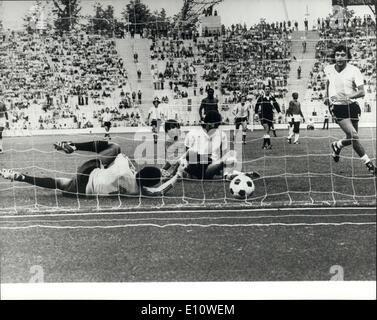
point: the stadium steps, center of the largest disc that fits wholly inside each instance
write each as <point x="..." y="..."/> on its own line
<point x="126" y="49"/>
<point x="305" y="60"/>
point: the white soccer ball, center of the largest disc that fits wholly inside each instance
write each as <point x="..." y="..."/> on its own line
<point x="242" y="187"/>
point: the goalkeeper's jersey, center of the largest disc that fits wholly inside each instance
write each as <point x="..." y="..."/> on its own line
<point x="119" y="176"/>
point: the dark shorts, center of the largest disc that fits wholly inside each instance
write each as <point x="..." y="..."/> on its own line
<point x="154" y="123"/>
<point x="238" y="122"/>
<point x="107" y="124"/>
<point x="269" y="123"/>
<point x="296" y="126"/>
<point x="199" y="167"/>
<point x="77" y="186"/>
<point x="347" y="111"/>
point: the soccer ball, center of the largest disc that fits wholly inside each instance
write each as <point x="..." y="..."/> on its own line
<point x="242" y="187"/>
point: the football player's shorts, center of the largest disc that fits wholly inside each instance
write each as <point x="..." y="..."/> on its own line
<point x="296" y="126"/>
<point x="3" y="122"/>
<point x="239" y="121"/>
<point x="155" y="124"/>
<point x="268" y="122"/>
<point x="197" y="168"/>
<point x="107" y="124"/>
<point x="78" y="184"/>
<point x="346" y="111"/>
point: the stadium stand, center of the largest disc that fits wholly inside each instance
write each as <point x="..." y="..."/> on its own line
<point x="59" y="82"/>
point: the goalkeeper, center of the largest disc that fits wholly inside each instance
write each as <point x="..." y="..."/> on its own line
<point x="111" y="172"/>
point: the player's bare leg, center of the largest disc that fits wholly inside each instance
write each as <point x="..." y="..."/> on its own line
<point x="352" y="137"/>
<point x="1" y="139"/>
<point x="244" y="131"/>
<point x="290" y="133"/>
<point x="266" y="137"/>
<point x="296" y="132"/>
<point x="155" y="135"/>
<point x="273" y="130"/>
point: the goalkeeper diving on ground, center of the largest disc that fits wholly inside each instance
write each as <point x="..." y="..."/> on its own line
<point x="109" y="173"/>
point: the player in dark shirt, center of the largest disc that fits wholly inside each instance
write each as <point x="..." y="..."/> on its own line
<point x="264" y="108"/>
<point x="208" y="104"/>
<point x="294" y="114"/>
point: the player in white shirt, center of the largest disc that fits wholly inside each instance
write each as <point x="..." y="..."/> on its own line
<point x="207" y="151"/>
<point x="3" y="122"/>
<point x="344" y="85"/>
<point x="241" y="114"/>
<point x="107" y="117"/>
<point x="111" y="172"/>
<point x="155" y="117"/>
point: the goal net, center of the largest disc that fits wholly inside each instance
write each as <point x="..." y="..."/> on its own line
<point x="57" y="88"/>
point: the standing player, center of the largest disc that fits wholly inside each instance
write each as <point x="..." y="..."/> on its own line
<point x="295" y="114"/>
<point x="345" y="84"/>
<point x="107" y="117"/>
<point x="155" y="117"/>
<point x="208" y="104"/>
<point x="241" y="114"/>
<point x="3" y="122"/>
<point x="111" y="172"/>
<point x="264" y="108"/>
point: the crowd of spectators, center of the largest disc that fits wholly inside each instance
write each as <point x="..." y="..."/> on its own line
<point x="60" y="75"/>
<point x="255" y="57"/>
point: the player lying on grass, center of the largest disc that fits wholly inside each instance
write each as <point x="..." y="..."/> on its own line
<point x="206" y="152"/>
<point x="111" y="172"/>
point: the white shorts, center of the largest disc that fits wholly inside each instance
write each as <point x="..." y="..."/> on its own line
<point x="2" y="122"/>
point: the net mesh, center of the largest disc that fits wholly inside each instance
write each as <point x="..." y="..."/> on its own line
<point x="46" y="105"/>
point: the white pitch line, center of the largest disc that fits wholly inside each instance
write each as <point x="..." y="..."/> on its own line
<point x="193" y="225"/>
<point x="192" y="218"/>
<point x="247" y="210"/>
